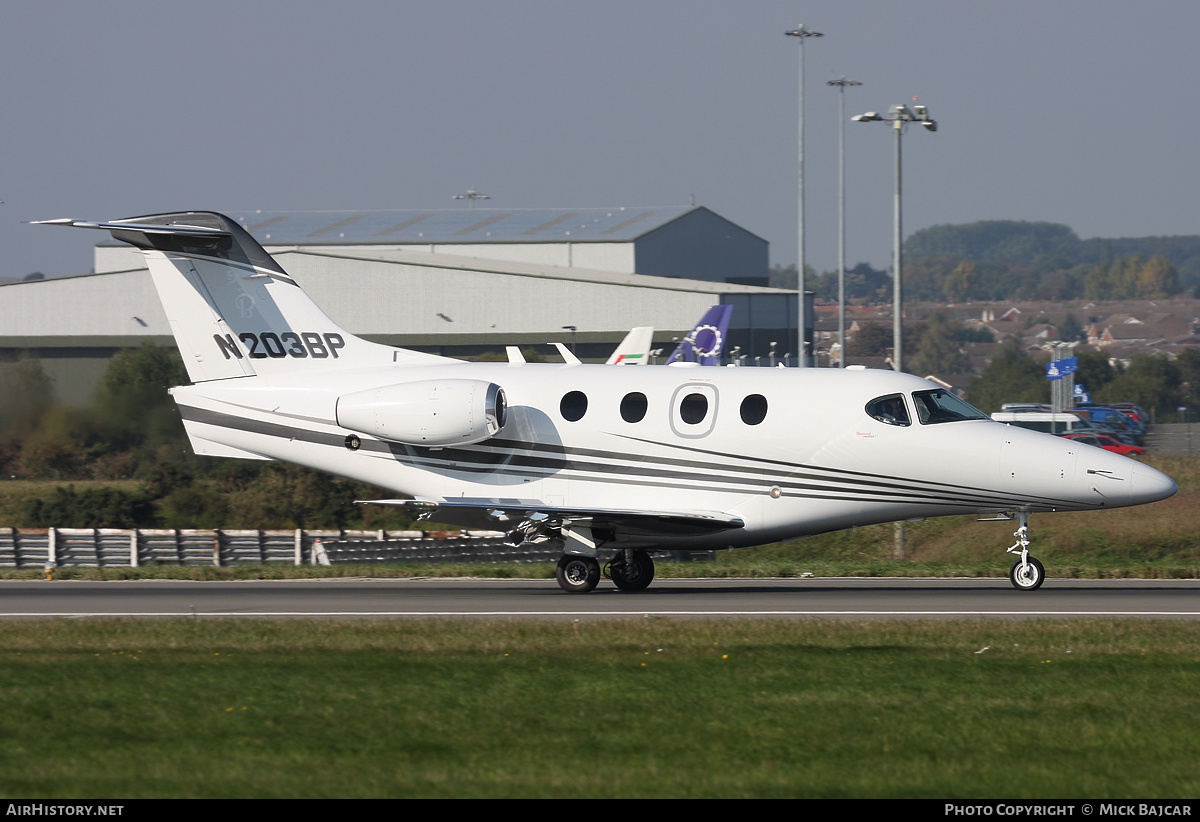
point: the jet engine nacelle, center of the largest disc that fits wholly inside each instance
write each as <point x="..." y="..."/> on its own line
<point x="432" y="413"/>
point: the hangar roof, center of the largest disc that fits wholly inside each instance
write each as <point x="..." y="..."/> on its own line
<point x="454" y="262"/>
<point x="461" y="225"/>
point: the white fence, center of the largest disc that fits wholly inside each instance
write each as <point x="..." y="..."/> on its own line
<point x="111" y="547"/>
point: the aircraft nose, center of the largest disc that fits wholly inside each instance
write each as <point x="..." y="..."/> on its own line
<point x="1150" y="485"/>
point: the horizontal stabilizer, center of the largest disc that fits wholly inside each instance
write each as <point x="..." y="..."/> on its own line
<point x="145" y="228"/>
<point x="233" y="310"/>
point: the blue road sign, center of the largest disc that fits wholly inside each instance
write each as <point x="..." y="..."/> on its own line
<point x="1057" y="369"/>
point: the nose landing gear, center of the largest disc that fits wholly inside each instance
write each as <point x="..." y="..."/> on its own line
<point x="1026" y="574"/>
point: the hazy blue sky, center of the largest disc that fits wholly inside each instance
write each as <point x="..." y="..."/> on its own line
<point x="1075" y="111"/>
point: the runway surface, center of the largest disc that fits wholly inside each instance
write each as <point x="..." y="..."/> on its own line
<point x="671" y="598"/>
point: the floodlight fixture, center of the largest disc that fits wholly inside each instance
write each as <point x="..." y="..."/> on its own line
<point x="802" y="32"/>
<point x="472" y="195"/>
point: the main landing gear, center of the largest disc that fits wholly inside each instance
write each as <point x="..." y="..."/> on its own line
<point x="630" y="570"/>
<point x="1026" y="574"/>
<point x="576" y="574"/>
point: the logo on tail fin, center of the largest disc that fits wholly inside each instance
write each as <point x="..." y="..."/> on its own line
<point x="706" y="341"/>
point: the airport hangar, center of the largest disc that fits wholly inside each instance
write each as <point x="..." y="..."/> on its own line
<point x="456" y="282"/>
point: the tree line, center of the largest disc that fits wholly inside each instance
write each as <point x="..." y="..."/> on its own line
<point x="132" y="435"/>
<point x="1012" y="260"/>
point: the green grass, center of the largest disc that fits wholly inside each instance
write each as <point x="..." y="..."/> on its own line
<point x="183" y="708"/>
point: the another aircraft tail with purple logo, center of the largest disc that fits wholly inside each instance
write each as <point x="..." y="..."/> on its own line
<point x="706" y="341"/>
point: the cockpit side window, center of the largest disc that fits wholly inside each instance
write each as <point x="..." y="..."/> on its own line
<point x="942" y="406"/>
<point x="889" y="409"/>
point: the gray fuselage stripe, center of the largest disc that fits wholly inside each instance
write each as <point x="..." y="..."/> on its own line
<point x="515" y="464"/>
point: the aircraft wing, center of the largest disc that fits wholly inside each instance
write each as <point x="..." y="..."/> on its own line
<point x="493" y="513"/>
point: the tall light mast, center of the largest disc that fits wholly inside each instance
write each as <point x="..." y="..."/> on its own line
<point x="841" y="84"/>
<point x="801" y="33"/>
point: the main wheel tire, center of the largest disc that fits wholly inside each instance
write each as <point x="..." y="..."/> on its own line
<point x="635" y="576"/>
<point x="577" y="575"/>
<point x="1029" y="580"/>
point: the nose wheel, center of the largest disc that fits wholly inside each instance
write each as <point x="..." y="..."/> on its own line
<point x="1027" y="577"/>
<point x="1026" y="574"/>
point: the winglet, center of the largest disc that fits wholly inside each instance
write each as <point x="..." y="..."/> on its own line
<point x="568" y="357"/>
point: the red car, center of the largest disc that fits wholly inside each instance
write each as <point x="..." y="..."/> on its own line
<point x="1106" y="442"/>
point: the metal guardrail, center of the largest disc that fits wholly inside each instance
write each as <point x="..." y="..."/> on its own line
<point x="463" y="549"/>
<point x="114" y="547"/>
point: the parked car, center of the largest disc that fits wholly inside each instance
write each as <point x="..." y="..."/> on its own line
<point x="1134" y="411"/>
<point x="1119" y="434"/>
<point x="1111" y="416"/>
<point x="1043" y="421"/>
<point x="1106" y="442"/>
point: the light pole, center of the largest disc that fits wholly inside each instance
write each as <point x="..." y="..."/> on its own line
<point x="802" y="34"/>
<point x="841" y="87"/>
<point x="898" y="116"/>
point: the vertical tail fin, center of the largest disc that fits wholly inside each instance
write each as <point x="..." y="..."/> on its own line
<point x="635" y="348"/>
<point x="233" y="310"/>
<point x="704" y="343"/>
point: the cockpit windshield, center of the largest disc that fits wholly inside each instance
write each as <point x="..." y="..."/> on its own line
<point x="889" y="409"/>
<point x="942" y="406"/>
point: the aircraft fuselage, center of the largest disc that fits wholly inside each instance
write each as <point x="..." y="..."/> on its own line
<point x="624" y="438"/>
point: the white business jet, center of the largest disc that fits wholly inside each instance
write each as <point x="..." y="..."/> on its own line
<point x="608" y="463"/>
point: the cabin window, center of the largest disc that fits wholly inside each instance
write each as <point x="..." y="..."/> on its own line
<point x="633" y="407"/>
<point x="754" y="409"/>
<point x="942" y="406"/>
<point x="573" y="406"/>
<point x="693" y="409"/>
<point x="890" y="409"/>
